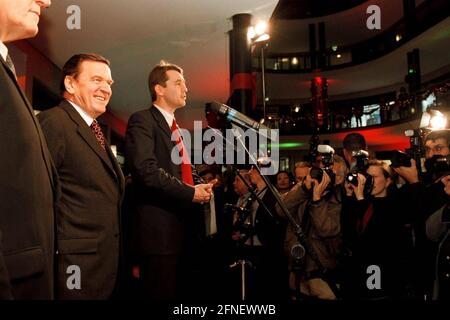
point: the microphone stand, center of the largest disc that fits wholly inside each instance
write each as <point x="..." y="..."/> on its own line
<point x="301" y="237"/>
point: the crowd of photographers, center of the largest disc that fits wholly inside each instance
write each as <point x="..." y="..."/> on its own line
<point x="361" y="229"/>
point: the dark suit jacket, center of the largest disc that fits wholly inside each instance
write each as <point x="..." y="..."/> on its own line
<point x="27" y="179"/>
<point x="163" y="202"/>
<point x="87" y="213"/>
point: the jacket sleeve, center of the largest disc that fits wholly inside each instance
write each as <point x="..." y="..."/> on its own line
<point x="143" y="163"/>
<point x="326" y="216"/>
<point x="292" y="200"/>
<point x="54" y="135"/>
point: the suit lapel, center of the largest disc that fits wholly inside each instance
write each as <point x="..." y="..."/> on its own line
<point x="44" y="150"/>
<point x="162" y="123"/>
<point x="88" y="136"/>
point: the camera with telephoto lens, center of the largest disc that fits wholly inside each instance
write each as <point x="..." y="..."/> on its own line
<point x="400" y="159"/>
<point x="438" y="166"/>
<point x="326" y="153"/>
<point x="362" y="163"/>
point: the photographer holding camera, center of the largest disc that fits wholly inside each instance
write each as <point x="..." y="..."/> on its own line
<point x="438" y="230"/>
<point x="374" y="238"/>
<point x="422" y="199"/>
<point x="315" y="203"/>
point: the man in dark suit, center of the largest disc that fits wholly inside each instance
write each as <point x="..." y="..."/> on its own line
<point x="92" y="183"/>
<point x="164" y="190"/>
<point x="27" y="176"/>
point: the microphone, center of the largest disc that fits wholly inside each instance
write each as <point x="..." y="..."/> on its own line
<point x="238" y="118"/>
<point x="297" y="252"/>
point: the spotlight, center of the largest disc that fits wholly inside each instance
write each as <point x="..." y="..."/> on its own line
<point x="338" y="56"/>
<point x="294" y="61"/>
<point x="261" y="28"/>
<point x="398" y="37"/>
<point x="433" y="119"/>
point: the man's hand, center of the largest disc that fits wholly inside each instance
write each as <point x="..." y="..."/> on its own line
<point x="410" y="174"/>
<point x="446" y="181"/>
<point x="319" y="188"/>
<point x="359" y="189"/>
<point x="202" y="193"/>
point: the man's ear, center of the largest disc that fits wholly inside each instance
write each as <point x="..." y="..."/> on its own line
<point x="159" y="89"/>
<point x="69" y="84"/>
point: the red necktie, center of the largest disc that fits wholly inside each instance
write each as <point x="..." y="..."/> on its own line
<point x="186" y="169"/>
<point x="98" y="133"/>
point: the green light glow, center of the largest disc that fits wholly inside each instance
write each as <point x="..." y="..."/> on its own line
<point x="290" y="145"/>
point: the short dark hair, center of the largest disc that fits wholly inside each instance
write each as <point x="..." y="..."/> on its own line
<point x="354" y="141"/>
<point x="158" y="75"/>
<point x="72" y="66"/>
<point x="438" y="134"/>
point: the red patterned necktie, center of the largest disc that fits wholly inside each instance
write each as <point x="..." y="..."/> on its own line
<point x="98" y="133"/>
<point x="186" y="169"/>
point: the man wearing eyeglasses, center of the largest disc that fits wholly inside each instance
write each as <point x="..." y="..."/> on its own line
<point x="437" y="143"/>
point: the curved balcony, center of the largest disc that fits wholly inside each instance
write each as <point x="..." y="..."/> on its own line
<point x="426" y="15"/>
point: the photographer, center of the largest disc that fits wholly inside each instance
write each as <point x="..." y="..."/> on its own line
<point x="316" y="205"/>
<point x="373" y="236"/>
<point x="438" y="230"/>
<point x="353" y="142"/>
<point x="423" y="198"/>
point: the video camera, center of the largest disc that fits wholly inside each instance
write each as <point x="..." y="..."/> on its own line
<point x="326" y="153"/>
<point x="362" y="163"/>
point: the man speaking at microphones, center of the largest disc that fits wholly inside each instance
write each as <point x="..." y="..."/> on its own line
<point x="165" y="192"/>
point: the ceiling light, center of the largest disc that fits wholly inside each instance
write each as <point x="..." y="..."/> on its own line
<point x="294" y="61"/>
<point x="261" y="28"/>
<point x="398" y="37"/>
<point x="297" y="109"/>
<point x="338" y="56"/>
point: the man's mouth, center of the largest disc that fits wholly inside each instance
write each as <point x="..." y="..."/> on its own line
<point x="100" y="98"/>
<point x="36" y="13"/>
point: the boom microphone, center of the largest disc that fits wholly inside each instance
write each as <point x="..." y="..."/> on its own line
<point x="237" y="118"/>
